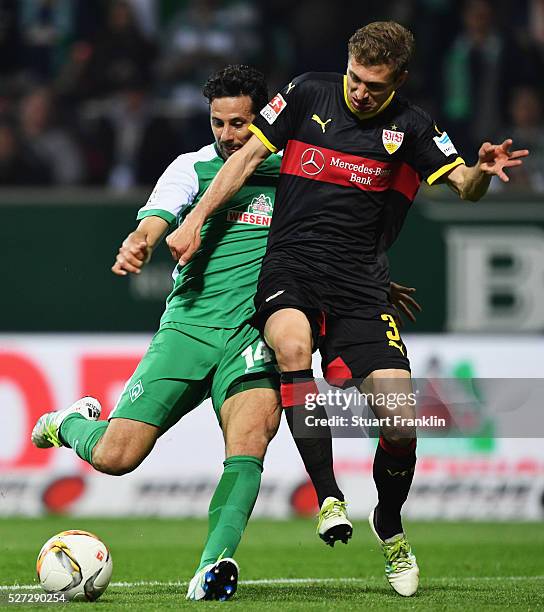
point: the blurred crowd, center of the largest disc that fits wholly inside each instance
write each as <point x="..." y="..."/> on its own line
<point x="108" y="92"/>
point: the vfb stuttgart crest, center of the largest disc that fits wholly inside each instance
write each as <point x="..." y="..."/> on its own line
<point x="392" y="140"/>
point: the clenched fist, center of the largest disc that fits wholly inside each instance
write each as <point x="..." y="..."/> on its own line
<point x="132" y="255"/>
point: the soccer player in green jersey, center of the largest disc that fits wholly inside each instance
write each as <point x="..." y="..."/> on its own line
<point x="205" y="346"/>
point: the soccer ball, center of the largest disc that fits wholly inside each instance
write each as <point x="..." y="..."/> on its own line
<point x="76" y="564"/>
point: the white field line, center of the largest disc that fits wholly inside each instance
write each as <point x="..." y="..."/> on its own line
<point x="287" y="581"/>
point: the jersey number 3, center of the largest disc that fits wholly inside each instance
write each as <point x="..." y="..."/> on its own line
<point x="393" y="336"/>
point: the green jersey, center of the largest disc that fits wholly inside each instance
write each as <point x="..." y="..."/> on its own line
<point x="216" y="288"/>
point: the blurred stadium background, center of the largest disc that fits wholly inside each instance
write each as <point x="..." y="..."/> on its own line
<point x="97" y="97"/>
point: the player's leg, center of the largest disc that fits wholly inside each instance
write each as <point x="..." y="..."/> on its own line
<point x="249" y="420"/>
<point x="370" y="348"/>
<point x="393" y="471"/>
<point x="246" y="400"/>
<point x="289" y="333"/>
<point x="124" y="445"/>
<point x="152" y="401"/>
<point x="116" y="447"/>
<point x="395" y="458"/>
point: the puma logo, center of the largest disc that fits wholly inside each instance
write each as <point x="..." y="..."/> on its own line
<point x="323" y="124"/>
<point x="275" y="295"/>
<point x="289" y="87"/>
<point x="396" y="345"/>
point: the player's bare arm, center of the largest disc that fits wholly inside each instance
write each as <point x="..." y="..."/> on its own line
<point x="185" y="240"/>
<point x="137" y="247"/>
<point x="472" y="182"/>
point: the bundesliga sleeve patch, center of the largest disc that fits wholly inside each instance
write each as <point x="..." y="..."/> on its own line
<point x="444" y="143"/>
<point x="271" y="111"/>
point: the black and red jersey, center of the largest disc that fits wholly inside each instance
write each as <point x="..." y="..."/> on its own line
<point x="347" y="180"/>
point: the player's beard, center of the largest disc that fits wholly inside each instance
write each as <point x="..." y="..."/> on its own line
<point x="227" y="150"/>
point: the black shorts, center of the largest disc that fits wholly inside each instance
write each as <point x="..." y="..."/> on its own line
<point x="351" y="345"/>
<point x="283" y="293"/>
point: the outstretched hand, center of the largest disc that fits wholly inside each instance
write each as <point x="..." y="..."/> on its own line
<point x="493" y="159"/>
<point x="184" y="242"/>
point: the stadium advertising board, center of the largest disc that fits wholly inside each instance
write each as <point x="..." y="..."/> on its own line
<point x="481" y="476"/>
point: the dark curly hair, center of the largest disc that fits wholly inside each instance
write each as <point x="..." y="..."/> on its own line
<point x="237" y="80"/>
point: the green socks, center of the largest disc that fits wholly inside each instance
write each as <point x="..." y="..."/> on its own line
<point x="231" y="506"/>
<point x="232" y="502"/>
<point x="81" y="435"/>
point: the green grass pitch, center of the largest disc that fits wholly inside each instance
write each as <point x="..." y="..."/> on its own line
<point x="284" y="565"/>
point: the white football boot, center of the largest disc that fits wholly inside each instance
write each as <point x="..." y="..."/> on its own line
<point x="46" y="431"/>
<point x="333" y="523"/>
<point x="216" y="581"/>
<point x="401" y="568"/>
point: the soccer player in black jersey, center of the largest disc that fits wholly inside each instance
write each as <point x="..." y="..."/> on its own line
<point x="355" y="152"/>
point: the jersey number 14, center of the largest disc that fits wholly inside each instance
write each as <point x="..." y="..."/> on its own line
<point x="261" y="353"/>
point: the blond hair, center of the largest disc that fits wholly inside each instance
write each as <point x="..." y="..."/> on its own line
<point x="382" y="42"/>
